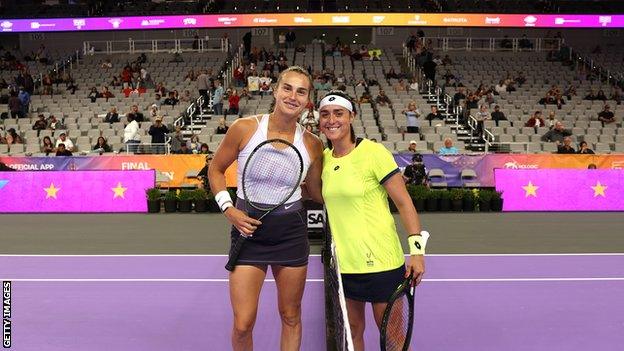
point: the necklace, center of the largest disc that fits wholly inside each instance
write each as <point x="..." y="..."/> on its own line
<point x="344" y="153"/>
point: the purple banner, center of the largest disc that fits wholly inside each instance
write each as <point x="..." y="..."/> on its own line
<point x="77" y="191"/>
<point x="452" y="166"/>
<point x="561" y="189"/>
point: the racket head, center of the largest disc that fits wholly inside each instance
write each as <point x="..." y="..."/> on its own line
<point x="272" y="173"/>
<point x="398" y="319"/>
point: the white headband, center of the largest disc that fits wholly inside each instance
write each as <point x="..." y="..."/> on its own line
<point x="336" y="100"/>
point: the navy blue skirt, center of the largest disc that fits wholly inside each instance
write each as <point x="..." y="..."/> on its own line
<point x="372" y="287"/>
<point x="282" y="239"/>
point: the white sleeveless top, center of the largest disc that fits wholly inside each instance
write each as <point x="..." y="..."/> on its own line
<point x="258" y="137"/>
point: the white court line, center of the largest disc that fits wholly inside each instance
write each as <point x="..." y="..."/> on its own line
<point x="317" y="255"/>
<point x="222" y="280"/>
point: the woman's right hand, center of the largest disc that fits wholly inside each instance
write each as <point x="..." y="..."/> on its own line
<point x="241" y="221"/>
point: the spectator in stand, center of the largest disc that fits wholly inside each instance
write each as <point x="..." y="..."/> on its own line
<point x="222" y="128"/>
<point x="490" y="99"/>
<point x="106" y="94"/>
<point x="481" y="116"/>
<point x="566" y="148"/>
<point x="584" y="149"/>
<point x="412" y="147"/>
<point x="391" y="74"/>
<point x="53" y="123"/>
<point x="126" y="77"/>
<point x="194" y="143"/>
<point x="501" y="87"/>
<point x="606" y="116"/>
<point x="46" y="82"/>
<point x="15" y="106"/>
<point x="400" y="86"/>
<point x="136" y="114"/>
<point x="204" y="149"/>
<point x="93" y="94"/>
<point x="570" y="91"/>
<point x="40" y="124"/>
<point x="498" y="115"/>
<point x="171" y="99"/>
<point x="131" y="137"/>
<point x="112" y="116"/>
<point x="472" y="101"/>
<point x="106" y="64"/>
<point x="24" y="98"/>
<point x="203" y="84"/>
<point x="190" y="76"/>
<point x="186" y="96"/>
<point x="520" y="78"/>
<point x="177" y="139"/>
<point x="61" y="150"/>
<point x="67" y="143"/>
<point x="591" y="95"/>
<point x="233" y="101"/>
<point x="601" y="95"/>
<point x="557" y="133"/>
<point x="158" y="131"/>
<point x="217" y="98"/>
<point x="411" y="116"/>
<point x="160" y="89"/>
<point x="13" y="138"/>
<point x="429" y="68"/>
<point x="551" y="120"/>
<point x="413" y="86"/>
<point x="459" y="95"/>
<point x="448" y="148"/>
<point x="365" y="98"/>
<point x="382" y="99"/>
<point x="617" y="95"/>
<point x="46" y="146"/>
<point x="184" y="149"/>
<point x="536" y="120"/>
<point x="434" y="114"/>
<point x="253" y="83"/>
<point x="101" y="146"/>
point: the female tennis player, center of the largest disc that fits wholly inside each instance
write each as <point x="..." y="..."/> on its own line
<point x="358" y="176"/>
<point x="280" y="239"/>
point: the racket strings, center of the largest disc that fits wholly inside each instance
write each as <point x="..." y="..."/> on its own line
<point x="397" y="326"/>
<point x="271" y="174"/>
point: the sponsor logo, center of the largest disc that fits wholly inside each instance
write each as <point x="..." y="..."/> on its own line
<point x="529" y="21"/>
<point x="302" y="20"/>
<point x="227" y="20"/>
<point x="417" y="21"/>
<point x="341" y="19"/>
<point x="617" y="165"/>
<point x="492" y="20"/>
<point x="563" y="21"/>
<point x="189" y="21"/>
<point x="264" y="20"/>
<point x="316" y="218"/>
<point x="378" y="19"/>
<point x="288" y="206"/>
<point x="79" y="23"/>
<point x="115" y="22"/>
<point x="152" y="22"/>
<point x="6" y="26"/>
<point x="37" y="25"/>
<point x="516" y="165"/>
<point x="455" y="20"/>
<point x="604" y="20"/>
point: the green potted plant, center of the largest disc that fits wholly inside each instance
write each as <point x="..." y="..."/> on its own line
<point x="185" y="198"/>
<point x="199" y="200"/>
<point x="497" y="201"/>
<point x="485" y="197"/>
<point x="153" y="200"/>
<point x="445" y="200"/>
<point x="457" y="199"/>
<point x="432" y="200"/>
<point x="418" y="193"/>
<point x="469" y="199"/>
<point x="171" y="201"/>
<point x="212" y="203"/>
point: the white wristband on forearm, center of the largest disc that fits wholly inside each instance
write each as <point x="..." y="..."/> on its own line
<point x="224" y="200"/>
<point x="417" y="243"/>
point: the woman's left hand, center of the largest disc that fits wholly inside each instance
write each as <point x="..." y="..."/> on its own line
<point x="416" y="265"/>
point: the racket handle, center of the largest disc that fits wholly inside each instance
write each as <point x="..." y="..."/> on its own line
<point x="235" y="251"/>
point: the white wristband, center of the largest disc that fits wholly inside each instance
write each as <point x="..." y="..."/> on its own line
<point x="224" y="200"/>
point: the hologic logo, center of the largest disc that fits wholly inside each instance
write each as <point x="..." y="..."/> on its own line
<point x="516" y="165"/>
<point x="529" y="21"/>
<point x="492" y="20"/>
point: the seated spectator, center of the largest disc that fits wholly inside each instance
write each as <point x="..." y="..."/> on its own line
<point x="391" y="74"/>
<point x="310" y="118"/>
<point x="112" y="116"/>
<point x="106" y="94"/>
<point x="551" y="120"/>
<point x="61" y="150"/>
<point x="184" y="149"/>
<point x="222" y="128"/>
<point x="365" y="98"/>
<point x="115" y="82"/>
<point x="501" y="87"/>
<point x="266" y="89"/>
<point x="40" y="124"/>
<point x="53" y="123"/>
<point x="47" y="147"/>
<point x="107" y="64"/>
<point x="194" y="143"/>
<point x="448" y="148"/>
<point x="67" y="143"/>
<point x="186" y="96"/>
<point x="490" y="99"/>
<point x="557" y="133"/>
<point x="591" y="95"/>
<point x="498" y="115"/>
<point x="570" y="91"/>
<point x="136" y="114"/>
<point x="566" y="148"/>
<point x="520" y="78"/>
<point x="617" y="95"/>
<point x="101" y="146"/>
<point x="434" y="114"/>
<point x="412" y="147"/>
<point x="413" y="86"/>
<point x="606" y="116"/>
<point x="153" y="110"/>
<point x="93" y="94"/>
<point x="171" y="99"/>
<point x="204" y="149"/>
<point x="246" y="95"/>
<point x="584" y="149"/>
<point x="400" y="86"/>
<point x="160" y="89"/>
<point x="536" y="120"/>
<point x="253" y="83"/>
<point x="601" y="95"/>
<point x="233" y="101"/>
<point x="382" y="99"/>
<point x="12" y="137"/>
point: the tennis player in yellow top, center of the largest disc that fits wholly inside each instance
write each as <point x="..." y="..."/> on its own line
<point x="358" y="176"/>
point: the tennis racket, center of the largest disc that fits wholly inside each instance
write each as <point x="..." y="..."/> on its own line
<point x="271" y="175"/>
<point x="398" y="318"/>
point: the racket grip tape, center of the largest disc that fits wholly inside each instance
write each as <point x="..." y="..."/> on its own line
<point x="231" y="263"/>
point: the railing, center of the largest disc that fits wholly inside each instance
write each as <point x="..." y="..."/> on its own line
<point x="132" y="46"/>
<point x="147" y="148"/>
<point x="492" y="44"/>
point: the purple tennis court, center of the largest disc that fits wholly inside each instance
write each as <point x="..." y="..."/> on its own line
<point x="181" y="302"/>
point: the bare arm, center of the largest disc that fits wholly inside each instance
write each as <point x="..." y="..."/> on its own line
<point x="313" y="178"/>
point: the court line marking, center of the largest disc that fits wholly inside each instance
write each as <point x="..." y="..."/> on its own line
<point x="221" y="280"/>
<point x="318" y="255"/>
